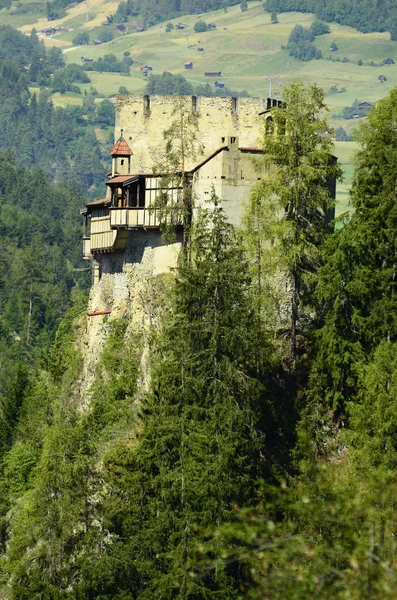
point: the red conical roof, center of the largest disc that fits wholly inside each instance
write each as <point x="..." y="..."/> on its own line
<point x="121" y="148"/>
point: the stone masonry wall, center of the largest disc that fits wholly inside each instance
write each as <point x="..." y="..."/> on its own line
<point x="144" y="119"/>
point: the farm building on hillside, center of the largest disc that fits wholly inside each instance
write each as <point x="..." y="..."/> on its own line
<point x="388" y="61"/>
<point x="188" y="65"/>
<point x="219" y="84"/>
<point x="212" y="73"/>
<point x="382" y="78"/>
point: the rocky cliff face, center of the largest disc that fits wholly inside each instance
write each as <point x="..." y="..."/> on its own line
<point x="129" y="285"/>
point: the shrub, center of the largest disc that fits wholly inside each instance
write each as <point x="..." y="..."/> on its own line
<point x="81" y="39"/>
<point x="200" y="26"/>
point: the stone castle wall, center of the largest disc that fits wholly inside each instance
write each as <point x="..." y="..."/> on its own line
<point x="144" y="119"/>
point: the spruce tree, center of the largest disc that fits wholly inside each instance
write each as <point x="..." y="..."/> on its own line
<point x="198" y="455"/>
<point x="357" y="285"/>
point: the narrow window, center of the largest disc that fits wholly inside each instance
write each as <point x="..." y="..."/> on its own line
<point x="223" y="140"/>
<point x="194" y="103"/>
<point x="146" y="103"/>
<point x="232" y="140"/>
<point x="122" y="162"/>
<point x="234" y="104"/>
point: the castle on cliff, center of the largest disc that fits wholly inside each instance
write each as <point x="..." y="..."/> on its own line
<point x="121" y="226"/>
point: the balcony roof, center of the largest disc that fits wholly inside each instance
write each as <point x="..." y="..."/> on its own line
<point x="122" y="179"/>
<point x="98" y="202"/>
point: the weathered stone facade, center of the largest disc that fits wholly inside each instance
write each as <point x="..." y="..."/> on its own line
<point x="143" y="120"/>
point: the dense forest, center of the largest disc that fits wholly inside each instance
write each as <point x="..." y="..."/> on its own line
<point x="258" y="459"/>
<point x="364" y="15"/>
<point x="150" y="11"/>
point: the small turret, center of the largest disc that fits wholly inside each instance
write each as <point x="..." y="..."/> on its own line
<point x="121" y="157"/>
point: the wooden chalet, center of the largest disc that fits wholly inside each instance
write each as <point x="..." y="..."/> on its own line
<point x="219" y="84"/>
<point x="188" y="65"/>
<point x="212" y="73"/>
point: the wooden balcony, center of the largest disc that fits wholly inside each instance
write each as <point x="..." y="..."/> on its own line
<point x="134" y="218"/>
<point x="102" y="237"/>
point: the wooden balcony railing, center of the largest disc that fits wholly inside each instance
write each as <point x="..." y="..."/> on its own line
<point x="132" y="218"/>
<point x="102" y="236"/>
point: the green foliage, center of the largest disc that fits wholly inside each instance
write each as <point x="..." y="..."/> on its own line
<point x="105" y="35"/>
<point x="300" y="44"/>
<point x="105" y="114"/>
<point x="356" y="285"/>
<point x="81" y="39"/>
<point x="290" y="207"/>
<point x="243" y="6"/>
<point x="198" y="451"/>
<point x="109" y="64"/>
<point x="168" y="84"/>
<point x="354" y="111"/>
<point x="60" y="542"/>
<point x="365" y="16"/>
<point x="169" y="27"/>
<point x="200" y="26"/>
<point x="319" y="27"/>
<point x="342" y="136"/>
<point x="328" y="543"/>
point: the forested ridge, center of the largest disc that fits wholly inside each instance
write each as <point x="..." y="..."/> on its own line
<point x="258" y="458"/>
<point x="364" y="15"/>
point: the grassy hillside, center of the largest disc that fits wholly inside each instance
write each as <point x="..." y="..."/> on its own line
<point x="246" y="47"/>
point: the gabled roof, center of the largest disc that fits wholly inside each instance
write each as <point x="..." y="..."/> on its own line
<point x="121" y="148"/>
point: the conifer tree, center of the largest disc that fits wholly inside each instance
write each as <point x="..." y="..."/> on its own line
<point x="287" y="218"/>
<point x="357" y="285"/>
<point x="198" y="455"/>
